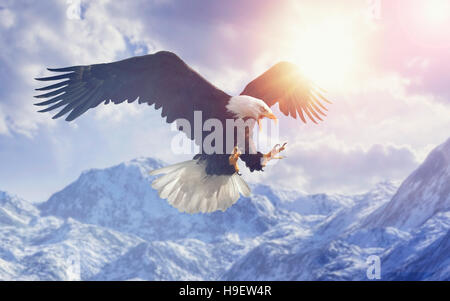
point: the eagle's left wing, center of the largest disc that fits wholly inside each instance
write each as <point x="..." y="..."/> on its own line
<point x="283" y="83"/>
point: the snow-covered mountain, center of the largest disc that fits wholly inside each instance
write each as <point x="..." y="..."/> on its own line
<point x="110" y="225"/>
<point x="422" y="195"/>
<point x="122" y="199"/>
<point x="326" y="253"/>
<point x="410" y="233"/>
<point x="52" y="248"/>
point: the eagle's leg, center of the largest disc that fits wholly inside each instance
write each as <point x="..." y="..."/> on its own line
<point x="273" y="154"/>
<point x="233" y="159"/>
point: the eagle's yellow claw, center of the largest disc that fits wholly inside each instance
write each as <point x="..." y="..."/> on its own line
<point x="234" y="157"/>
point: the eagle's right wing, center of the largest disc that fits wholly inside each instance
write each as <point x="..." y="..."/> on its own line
<point x="162" y="79"/>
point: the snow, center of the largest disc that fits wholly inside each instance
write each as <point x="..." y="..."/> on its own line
<point x="424" y="193"/>
<point x="110" y="225"/>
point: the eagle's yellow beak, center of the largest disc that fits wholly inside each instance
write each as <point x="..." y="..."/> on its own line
<point x="267" y="115"/>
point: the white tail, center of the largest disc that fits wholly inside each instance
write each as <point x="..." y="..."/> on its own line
<point x="187" y="187"/>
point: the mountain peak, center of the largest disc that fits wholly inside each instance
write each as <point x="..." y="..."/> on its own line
<point x="424" y="193"/>
<point x="445" y="147"/>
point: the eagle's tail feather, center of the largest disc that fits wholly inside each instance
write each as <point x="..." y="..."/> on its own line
<point x="187" y="187"/>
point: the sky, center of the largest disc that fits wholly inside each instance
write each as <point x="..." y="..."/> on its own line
<point x="384" y="64"/>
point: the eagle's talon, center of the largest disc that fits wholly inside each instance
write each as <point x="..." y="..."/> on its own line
<point x="273" y="154"/>
<point x="233" y="159"/>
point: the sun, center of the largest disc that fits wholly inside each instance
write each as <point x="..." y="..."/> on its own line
<point x="325" y="51"/>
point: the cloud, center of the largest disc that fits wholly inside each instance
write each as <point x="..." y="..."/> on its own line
<point x="116" y="113"/>
<point x="379" y="110"/>
<point x="7" y="18"/>
<point x="334" y="167"/>
<point x="43" y="36"/>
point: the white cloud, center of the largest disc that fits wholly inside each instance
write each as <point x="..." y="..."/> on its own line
<point x="332" y="166"/>
<point x="7" y="18"/>
<point x="43" y="37"/>
<point x="116" y="113"/>
<point x="379" y="111"/>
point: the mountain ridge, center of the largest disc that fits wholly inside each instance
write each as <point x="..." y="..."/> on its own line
<point x="110" y="225"/>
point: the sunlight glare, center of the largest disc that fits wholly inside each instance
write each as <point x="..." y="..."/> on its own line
<point x="437" y="11"/>
<point x="326" y="52"/>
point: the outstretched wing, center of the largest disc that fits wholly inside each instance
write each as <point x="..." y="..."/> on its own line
<point x="162" y="79"/>
<point x="283" y="83"/>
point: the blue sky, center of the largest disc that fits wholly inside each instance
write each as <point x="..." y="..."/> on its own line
<point x="384" y="68"/>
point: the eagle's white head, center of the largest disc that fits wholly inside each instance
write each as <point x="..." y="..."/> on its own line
<point x="243" y="106"/>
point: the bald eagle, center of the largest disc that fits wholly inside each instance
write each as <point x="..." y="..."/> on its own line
<point x="211" y="180"/>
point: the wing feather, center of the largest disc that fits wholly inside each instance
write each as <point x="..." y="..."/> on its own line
<point x="53" y="93"/>
<point x="313" y="112"/>
<point x="312" y="103"/>
<point x="58" y="77"/>
<point x="309" y="114"/>
<point x="300" y="113"/>
<point x="284" y="84"/>
<point x="316" y="101"/>
<point x="51" y="87"/>
<point x="50" y="101"/>
<point x="162" y="79"/>
<point x="72" y="104"/>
